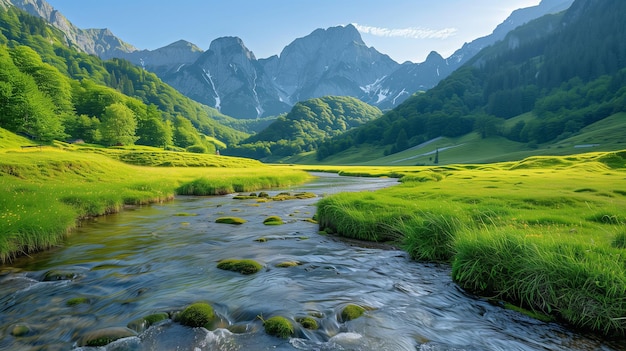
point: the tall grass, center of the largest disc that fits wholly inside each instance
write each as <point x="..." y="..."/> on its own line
<point x="44" y="193"/>
<point x="546" y="233"/>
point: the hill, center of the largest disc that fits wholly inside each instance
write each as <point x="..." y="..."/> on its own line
<point x="565" y="72"/>
<point x="51" y="91"/>
<point x="308" y="123"/>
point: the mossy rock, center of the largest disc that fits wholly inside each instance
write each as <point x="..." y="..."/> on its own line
<point x="20" y="330"/>
<point x="263" y="194"/>
<point x="231" y="220"/>
<point x="77" y="301"/>
<point x="141" y="324"/>
<point x="244" y="266"/>
<point x="308" y="322"/>
<point x="261" y="240"/>
<point x="59" y="275"/>
<point x="244" y="197"/>
<point x="278" y="326"/>
<point x="199" y="314"/>
<point x="351" y="312"/>
<point x="273" y="220"/>
<point x="288" y="264"/>
<point x="105" y="336"/>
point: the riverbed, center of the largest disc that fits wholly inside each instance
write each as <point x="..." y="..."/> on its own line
<point x="163" y="257"/>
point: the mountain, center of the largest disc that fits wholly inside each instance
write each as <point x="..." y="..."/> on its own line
<point x="551" y="77"/>
<point x="390" y="91"/>
<point x="230" y="78"/>
<point x="167" y="59"/>
<point x="333" y="61"/>
<point x="100" y="42"/>
<point x="54" y="91"/>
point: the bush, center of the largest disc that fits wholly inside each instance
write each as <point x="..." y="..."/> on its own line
<point x="197" y="149"/>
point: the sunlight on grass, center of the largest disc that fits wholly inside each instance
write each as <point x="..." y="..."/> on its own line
<point x="545" y="233"/>
<point x="44" y="192"/>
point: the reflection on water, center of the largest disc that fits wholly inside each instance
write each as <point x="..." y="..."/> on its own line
<point x="163" y="257"/>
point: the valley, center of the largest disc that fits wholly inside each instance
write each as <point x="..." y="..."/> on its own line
<point x="479" y="193"/>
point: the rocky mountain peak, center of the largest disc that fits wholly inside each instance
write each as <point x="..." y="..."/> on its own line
<point x="100" y="42"/>
<point x="230" y="46"/>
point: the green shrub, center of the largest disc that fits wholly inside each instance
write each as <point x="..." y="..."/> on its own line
<point x="197" y="149"/>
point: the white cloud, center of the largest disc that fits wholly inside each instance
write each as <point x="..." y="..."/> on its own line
<point x="411" y="32"/>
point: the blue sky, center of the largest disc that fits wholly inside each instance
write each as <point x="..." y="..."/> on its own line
<point x="403" y="29"/>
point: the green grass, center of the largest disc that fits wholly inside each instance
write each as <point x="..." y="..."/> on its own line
<point x="545" y="233"/>
<point x="604" y="135"/>
<point x="45" y="192"/>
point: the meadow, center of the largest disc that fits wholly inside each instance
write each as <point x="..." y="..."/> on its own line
<point x="546" y="234"/>
<point x="45" y="192"/>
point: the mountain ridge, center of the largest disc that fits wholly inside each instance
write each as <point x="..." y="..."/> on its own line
<point x="301" y="71"/>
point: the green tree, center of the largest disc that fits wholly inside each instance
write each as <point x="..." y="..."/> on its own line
<point x="118" y="125"/>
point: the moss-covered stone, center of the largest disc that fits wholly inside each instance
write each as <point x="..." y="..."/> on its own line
<point x="351" y="312"/>
<point x="141" y="324"/>
<point x="278" y="326"/>
<point x="20" y="330"/>
<point x="273" y="220"/>
<point x="199" y="314"/>
<point x="77" y="301"/>
<point x="308" y="322"/>
<point x="245" y="266"/>
<point x="231" y="220"/>
<point x="288" y="264"/>
<point x="59" y="275"/>
<point x="105" y="336"/>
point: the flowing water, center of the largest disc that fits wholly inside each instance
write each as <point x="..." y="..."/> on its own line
<point x="163" y="257"/>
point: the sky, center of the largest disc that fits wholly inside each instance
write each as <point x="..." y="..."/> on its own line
<point x="406" y="30"/>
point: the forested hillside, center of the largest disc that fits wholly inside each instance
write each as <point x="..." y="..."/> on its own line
<point x="49" y="91"/>
<point x="569" y="70"/>
<point x="307" y="124"/>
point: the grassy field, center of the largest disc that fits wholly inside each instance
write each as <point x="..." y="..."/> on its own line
<point x="547" y="234"/>
<point x="45" y="191"/>
<point x="604" y="135"/>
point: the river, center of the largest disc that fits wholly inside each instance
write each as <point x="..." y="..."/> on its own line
<point x="163" y="257"/>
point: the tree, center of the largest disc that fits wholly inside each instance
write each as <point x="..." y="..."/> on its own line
<point x="118" y="125"/>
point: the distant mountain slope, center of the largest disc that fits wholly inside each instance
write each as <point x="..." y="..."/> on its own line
<point x="308" y="123"/>
<point x="52" y="91"/>
<point x="99" y="42"/>
<point x="333" y="61"/>
<point x="567" y="70"/>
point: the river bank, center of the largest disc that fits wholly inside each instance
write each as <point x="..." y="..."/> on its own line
<point x="545" y="234"/>
<point x="45" y="194"/>
<point x="157" y="260"/>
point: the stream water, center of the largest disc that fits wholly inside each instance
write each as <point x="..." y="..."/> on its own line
<point x="163" y="257"/>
